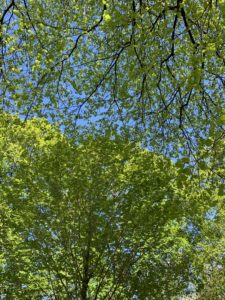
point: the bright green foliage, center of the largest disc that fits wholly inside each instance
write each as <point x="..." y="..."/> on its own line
<point x="96" y="216"/>
<point x="158" y="65"/>
<point x="99" y="219"/>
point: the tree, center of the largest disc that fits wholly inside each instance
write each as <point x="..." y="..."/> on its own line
<point x="98" y="219"/>
<point x="156" y="68"/>
<point x="111" y="74"/>
<point x="214" y="286"/>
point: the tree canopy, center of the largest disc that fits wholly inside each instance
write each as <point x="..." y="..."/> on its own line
<point x="155" y="68"/>
<point x="112" y="149"/>
<point x="100" y="219"/>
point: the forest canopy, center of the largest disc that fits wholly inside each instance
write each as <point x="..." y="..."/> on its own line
<point x="112" y="149"/>
<point x="100" y="219"/>
<point x="154" y="68"/>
